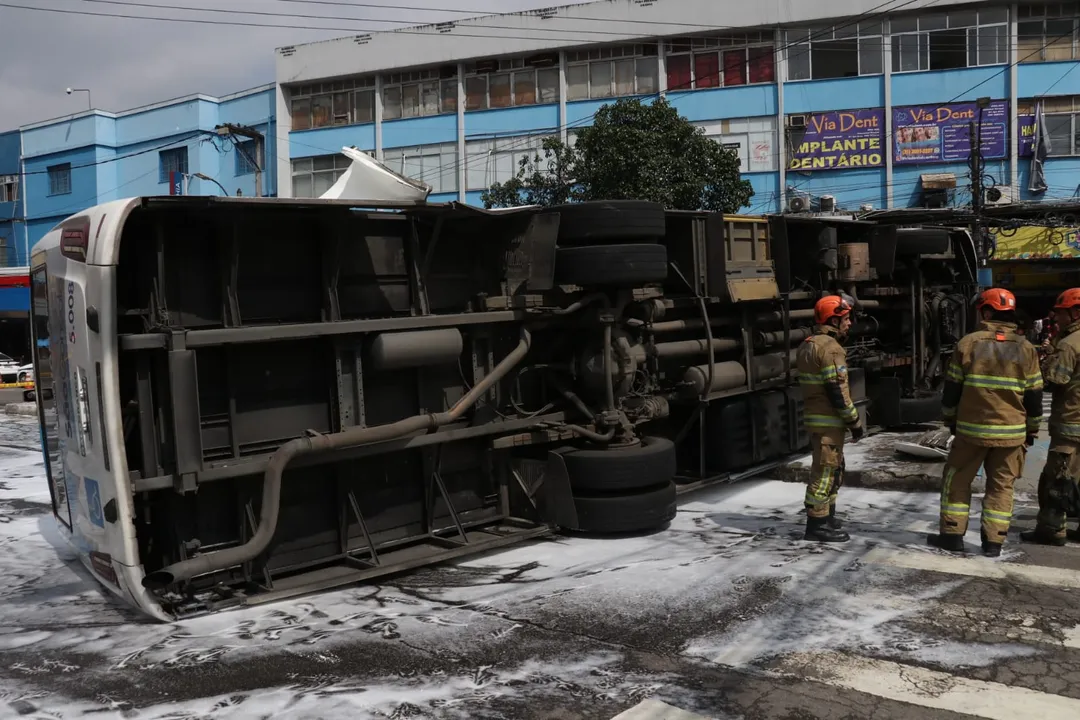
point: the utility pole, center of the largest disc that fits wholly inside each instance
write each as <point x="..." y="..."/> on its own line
<point x="976" y="164"/>
<point x="232" y="132"/>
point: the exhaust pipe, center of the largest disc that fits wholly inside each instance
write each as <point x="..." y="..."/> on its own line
<point x="353" y="437"/>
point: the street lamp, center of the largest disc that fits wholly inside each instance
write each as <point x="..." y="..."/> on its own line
<point x="89" y="104"/>
<point x="210" y="179"/>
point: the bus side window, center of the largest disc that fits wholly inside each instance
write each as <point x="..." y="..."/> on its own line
<point x="43" y="388"/>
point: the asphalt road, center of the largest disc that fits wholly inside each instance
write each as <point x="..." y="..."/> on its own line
<point x="726" y="614"/>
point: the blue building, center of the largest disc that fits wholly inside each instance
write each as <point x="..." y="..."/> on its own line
<point x="181" y="146"/>
<point x="818" y="98"/>
<point x="12" y="235"/>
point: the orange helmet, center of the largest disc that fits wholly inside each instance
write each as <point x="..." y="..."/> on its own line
<point x="1068" y="299"/>
<point x="997" y="299"/>
<point x="831" y="306"/>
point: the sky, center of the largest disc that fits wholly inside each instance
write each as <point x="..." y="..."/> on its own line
<point x="126" y="63"/>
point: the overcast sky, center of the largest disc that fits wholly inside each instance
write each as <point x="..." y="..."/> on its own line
<point x="126" y="63"/>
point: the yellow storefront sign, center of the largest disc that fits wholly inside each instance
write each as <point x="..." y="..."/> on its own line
<point x="1037" y="242"/>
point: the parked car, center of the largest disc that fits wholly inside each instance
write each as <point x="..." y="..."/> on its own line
<point x="9" y="369"/>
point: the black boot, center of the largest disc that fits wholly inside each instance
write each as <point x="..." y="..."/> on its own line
<point x="1041" y="537"/>
<point x="1073" y="535"/>
<point x="834" y="522"/>
<point x="951" y="543"/>
<point x="818" y="530"/>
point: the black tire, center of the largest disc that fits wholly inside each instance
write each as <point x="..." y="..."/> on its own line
<point x="922" y="241"/>
<point x="920" y="411"/>
<point x="610" y="220"/>
<point x="29" y="396"/>
<point x="621" y="469"/>
<point x="624" y="265"/>
<point x="647" y="510"/>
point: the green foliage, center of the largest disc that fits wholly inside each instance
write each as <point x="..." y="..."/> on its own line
<point x="634" y="150"/>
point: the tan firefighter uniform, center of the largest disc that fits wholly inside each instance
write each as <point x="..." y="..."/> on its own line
<point x="993" y="399"/>
<point x="1058" y="484"/>
<point x="822" y="364"/>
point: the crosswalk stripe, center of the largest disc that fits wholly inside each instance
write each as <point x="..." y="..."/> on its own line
<point x="928" y="688"/>
<point x="975" y="567"/>
<point x="655" y="710"/>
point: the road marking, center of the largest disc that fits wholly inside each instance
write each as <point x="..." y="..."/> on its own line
<point x="975" y="567"/>
<point x="656" y="710"/>
<point x="928" y="688"/>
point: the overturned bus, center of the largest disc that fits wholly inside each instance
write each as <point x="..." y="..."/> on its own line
<point x="247" y="399"/>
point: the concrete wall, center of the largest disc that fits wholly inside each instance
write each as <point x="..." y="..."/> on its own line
<point x="113" y="156"/>
<point x="630" y="21"/>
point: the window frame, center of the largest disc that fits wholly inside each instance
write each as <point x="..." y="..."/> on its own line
<point x="1044" y="15"/>
<point x="864" y="33"/>
<point x="351" y="90"/>
<point x="424" y="85"/>
<point x="9" y="188"/>
<point x="182" y="166"/>
<point x="398" y="158"/>
<point x="54" y="173"/>
<point x="611" y="55"/>
<point x="505" y="151"/>
<point x="514" y="70"/>
<point x="243" y="165"/>
<point x="952" y="21"/>
<point x="717" y="48"/>
<point x="339" y="164"/>
<point x="745" y="132"/>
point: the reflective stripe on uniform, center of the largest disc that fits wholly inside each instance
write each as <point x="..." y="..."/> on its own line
<point x="954" y="373"/>
<point x="817" y="492"/>
<point x="831" y="372"/>
<point x="955" y="509"/>
<point x="996" y="516"/>
<point x="994" y="382"/>
<point x="822" y="421"/>
<point x="809" y="379"/>
<point x="849" y="414"/>
<point x="1033" y="382"/>
<point x="992" y="432"/>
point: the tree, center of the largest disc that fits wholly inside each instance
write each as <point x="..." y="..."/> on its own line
<point x="634" y="150"/>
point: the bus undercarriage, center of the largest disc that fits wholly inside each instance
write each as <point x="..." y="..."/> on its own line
<point x="313" y="395"/>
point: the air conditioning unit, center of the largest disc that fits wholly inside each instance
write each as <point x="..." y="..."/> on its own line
<point x="826" y="203"/>
<point x="1000" y="195"/>
<point x="796" y="122"/>
<point x="798" y="204"/>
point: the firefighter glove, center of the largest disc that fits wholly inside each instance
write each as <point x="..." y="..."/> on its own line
<point x="857" y="433"/>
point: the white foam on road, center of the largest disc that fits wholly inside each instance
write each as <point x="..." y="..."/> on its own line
<point x="656" y="710"/>
<point x="929" y="688"/>
<point x="975" y="567"/>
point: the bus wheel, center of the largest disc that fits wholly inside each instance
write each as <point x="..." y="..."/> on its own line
<point x="29" y="396"/>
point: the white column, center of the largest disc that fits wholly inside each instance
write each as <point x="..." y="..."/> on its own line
<point x="562" y="96"/>
<point x="781" y="125"/>
<point x="283" y="155"/>
<point x="378" y="118"/>
<point x="661" y="65"/>
<point x="1014" y="99"/>
<point x="461" y="167"/>
<point x="886" y="43"/>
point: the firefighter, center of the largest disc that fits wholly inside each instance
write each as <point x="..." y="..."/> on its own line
<point x="822" y="366"/>
<point x="992" y="403"/>
<point x="1059" y="495"/>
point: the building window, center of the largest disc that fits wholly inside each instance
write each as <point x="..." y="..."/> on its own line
<point x="511" y="82"/>
<point x="837" y="52"/>
<point x="9" y="188"/>
<point x="170" y="161"/>
<point x="59" y="179"/>
<point x="311" y="177"/>
<point x="947" y="41"/>
<point x="752" y="139"/>
<point x="433" y="165"/>
<point x="720" y="61"/>
<point x="247" y="157"/>
<point x="1045" y="33"/>
<point x="1062" y="118"/>
<point x="496" y="160"/>
<point x="342" y="102"/>
<point x="612" y="72"/>
<point x="420" y="93"/>
<point x="5" y="248"/>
